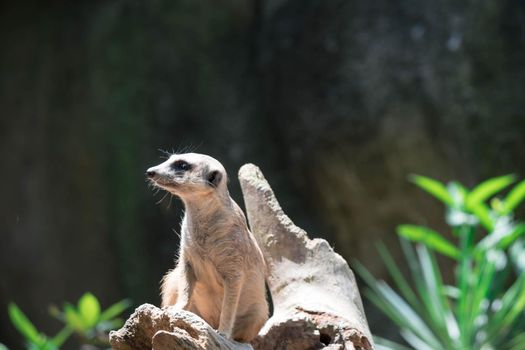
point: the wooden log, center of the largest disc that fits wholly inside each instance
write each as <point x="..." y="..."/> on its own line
<point x="315" y="297"/>
<point x="150" y="327"/>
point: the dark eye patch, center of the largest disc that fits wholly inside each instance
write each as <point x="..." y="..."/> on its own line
<point x="180" y="165"/>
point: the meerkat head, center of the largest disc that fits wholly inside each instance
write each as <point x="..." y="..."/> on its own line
<point x="189" y="175"/>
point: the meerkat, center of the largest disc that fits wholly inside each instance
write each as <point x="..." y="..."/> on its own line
<point x="220" y="272"/>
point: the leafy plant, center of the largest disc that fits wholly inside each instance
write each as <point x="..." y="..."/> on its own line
<point x="484" y="307"/>
<point x="86" y="320"/>
<point x="35" y="340"/>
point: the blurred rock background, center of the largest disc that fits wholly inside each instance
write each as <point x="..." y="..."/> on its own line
<point x="336" y="100"/>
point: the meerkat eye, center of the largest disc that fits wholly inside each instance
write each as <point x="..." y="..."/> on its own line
<point x="180" y="165"/>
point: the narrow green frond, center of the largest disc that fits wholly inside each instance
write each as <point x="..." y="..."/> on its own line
<point x="463" y="276"/>
<point x="417" y="342"/>
<point x="386" y="299"/>
<point x="501" y="238"/>
<point x="429" y="238"/>
<point x="417" y="325"/>
<point x="59" y="339"/>
<point x="115" y="310"/>
<point x="458" y="192"/>
<point x="506" y="241"/>
<point x="433" y="187"/>
<point x="480" y="294"/>
<point x="417" y="277"/>
<point x="482" y="212"/>
<point x="22" y="323"/>
<point x="517" y="254"/>
<point x="487" y="189"/>
<point x="514" y="198"/>
<point x="73" y="319"/>
<point x="516" y="343"/>
<point x="400" y="281"/>
<point x="517" y="308"/>
<point x="444" y="318"/>
<point x="386" y="344"/>
<point x="511" y="305"/>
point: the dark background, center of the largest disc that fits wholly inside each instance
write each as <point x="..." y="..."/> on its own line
<point x="336" y="101"/>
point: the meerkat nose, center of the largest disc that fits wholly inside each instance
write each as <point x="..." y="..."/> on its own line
<point x="151" y="173"/>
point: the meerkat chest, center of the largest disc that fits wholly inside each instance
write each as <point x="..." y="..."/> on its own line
<point x="204" y="268"/>
<point x="210" y="247"/>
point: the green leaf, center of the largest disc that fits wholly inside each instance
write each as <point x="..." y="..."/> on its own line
<point x="487" y="189"/>
<point x="89" y="309"/>
<point x="458" y="192"/>
<point x="484" y="277"/>
<point x="386" y="344"/>
<point x="517" y="255"/>
<point x="500" y="239"/>
<point x="24" y="326"/>
<point x="47" y="346"/>
<point x="451" y="291"/>
<point x="62" y="336"/>
<point x="73" y="319"/>
<point x="411" y="319"/>
<point x="3" y="347"/>
<point x="463" y="274"/>
<point x="456" y="217"/>
<point x="517" y="307"/>
<point x="417" y="342"/>
<point x="115" y="309"/>
<point x="512" y="305"/>
<point x="417" y="277"/>
<point x="429" y="238"/>
<point x="55" y="312"/>
<point x="109" y="325"/>
<point x="514" y="198"/>
<point x="482" y="212"/>
<point x="443" y="317"/>
<point x="517" y="342"/>
<point x="434" y="187"/>
<point x="506" y="241"/>
<point x="386" y="299"/>
<point x="44" y="346"/>
<point x="399" y="279"/>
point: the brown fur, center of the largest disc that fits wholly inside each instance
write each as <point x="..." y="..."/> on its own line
<point x="220" y="272"/>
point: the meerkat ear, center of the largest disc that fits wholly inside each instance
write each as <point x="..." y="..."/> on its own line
<point x="214" y="178"/>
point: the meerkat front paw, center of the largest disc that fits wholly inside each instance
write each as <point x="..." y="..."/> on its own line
<point x="225" y="334"/>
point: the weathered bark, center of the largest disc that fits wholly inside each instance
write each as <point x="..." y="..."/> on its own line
<point x="315" y="297"/>
<point x="152" y="328"/>
<point x="314" y="293"/>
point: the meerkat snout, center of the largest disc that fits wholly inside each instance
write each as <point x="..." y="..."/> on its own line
<point x="151" y="173"/>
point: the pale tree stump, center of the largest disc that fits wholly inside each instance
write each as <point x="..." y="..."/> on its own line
<point x="315" y="297"/>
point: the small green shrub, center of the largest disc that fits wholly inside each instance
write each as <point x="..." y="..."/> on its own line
<point x="35" y="340"/>
<point x="86" y="320"/>
<point x="484" y="307"/>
